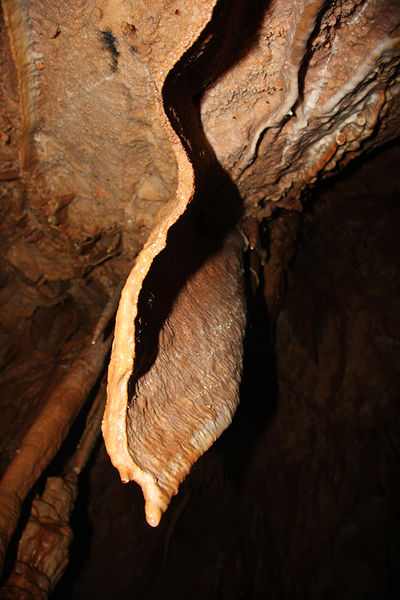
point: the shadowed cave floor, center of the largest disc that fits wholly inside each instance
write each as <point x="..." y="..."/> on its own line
<point x="300" y="498"/>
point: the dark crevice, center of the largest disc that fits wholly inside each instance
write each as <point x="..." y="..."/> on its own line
<point x="109" y="42"/>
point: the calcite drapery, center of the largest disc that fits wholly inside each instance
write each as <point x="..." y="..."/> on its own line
<point x="175" y="416"/>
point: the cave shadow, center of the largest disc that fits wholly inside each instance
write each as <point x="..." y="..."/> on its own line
<point x="258" y="389"/>
<point x="82" y="527"/>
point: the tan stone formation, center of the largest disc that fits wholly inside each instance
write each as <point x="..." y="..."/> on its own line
<point x="113" y="113"/>
<point x="321" y="80"/>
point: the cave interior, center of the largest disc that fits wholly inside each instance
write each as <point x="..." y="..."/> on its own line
<point x="300" y="496"/>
